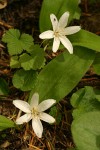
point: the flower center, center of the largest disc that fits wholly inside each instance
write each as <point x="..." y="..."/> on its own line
<point x="34" y="112"/>
<point x="58" y="32"/>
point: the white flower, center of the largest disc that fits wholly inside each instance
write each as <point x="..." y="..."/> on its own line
<point x="35" y="111"/>
<point x="59" y="32"/>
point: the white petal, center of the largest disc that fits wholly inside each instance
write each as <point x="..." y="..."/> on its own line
<point x="54" y="21"/>
<point x="44" y="105"/>
<point x="56" y="44"/>
<point x="24" y="118"/>
<point x="34" y="100"/>
<point x="64" y="20"/>
<point x="37" y="127"/>
<point x="47" y="35"/>
<point x="71" y="30"/>
<point x="65" y="41"/>
<point x="22" y="105"/>
<point x="47" y="118"/>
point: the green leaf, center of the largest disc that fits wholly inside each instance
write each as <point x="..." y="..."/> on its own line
<point x="72" y="149"/>
<point x="38" y="56"/>
<point x="11" y="34"/>
<point x="58" y="8"/>
<point x="86" y="39"/>
<point x="5" y="123"/>
<point x="86" y="131"/>
<point x="84" y="100"/>
<point x="4" y="89"/>
<point x="97" y="94"/>
<point x="33" y="61"/>
<point x="14" y="62"/>
<point x="26" y="61"/>
<point x="16" y="42"/>
<point x="77" y="14"/>
<point x="54" y="111"/>
<point x="63" y="73"/>
<point x="26" y="41"/>
<point x="96" y="64"/>
<point x="24" y="80"/>
<point x="98" y="97"/>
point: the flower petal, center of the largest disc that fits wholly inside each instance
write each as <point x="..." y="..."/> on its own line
<point x="63" y="21"/>
<point x="37" y="127"/>
<point x="34" y="100"/>
<point x="54" y="21"/>
<point x="56" y="44"/>
<point x="47" y="118"/>
<point x="71" y="30"/>
<point x="65" y="41"/>
<point x="44" y="105"/>
<point x="24" y="118"/>
<point x="22" y="105"/>
<point x="47" y="35"/>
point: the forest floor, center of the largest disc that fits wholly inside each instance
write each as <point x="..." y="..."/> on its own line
<point x="24" y="15"/>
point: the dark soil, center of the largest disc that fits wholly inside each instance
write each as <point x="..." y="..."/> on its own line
<point x="24" y="15"/>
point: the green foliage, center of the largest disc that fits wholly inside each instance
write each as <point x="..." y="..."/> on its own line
<point x="4" y="89"/>
<point x="72" y="149"/>
<point x="24" y="80"/>
<point x="86" y="131"/>
<point x="77" y="14"/>
<point x="54" y="111"/>
<point x="84" y="100"/>
<point x="5" y="123"/>
<point x="17" y="42"/>
<point x="31" y="59"/>
<point x="63" y="73"/>
<point x="34" y="60"/>
<point x="58" y="8"/>
<point x="96" y="64"/>
<point x="86" y="124"/>
<point x="86" y="39"/>
<point x="14" y="62"/>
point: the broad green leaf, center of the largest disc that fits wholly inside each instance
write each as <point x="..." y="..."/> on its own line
<point x="14" y="62"/>
<point x="84" y="100"/>
<point x="86" y="39"/>
<point x="63" y="73"/>
<point x="4" y="89"/>
<point x="86" y="131"/>
<point x="72" y="149"/>
<point x="5" y="123"/>
<point x="24" y="80"/>
<point x="26" y="41"/>
<point x="96" y="64"/>
<point x="16" y="42"/>
<point x="58" y="8"/>
<point x="33" y="61"/>
<point x="11" y="34"/>
<point x="26" y="61"/>
<point x="14" y="47"/>
<point x="38" y="55"/>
